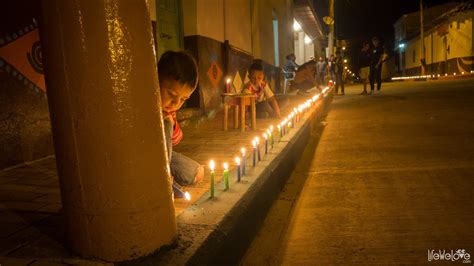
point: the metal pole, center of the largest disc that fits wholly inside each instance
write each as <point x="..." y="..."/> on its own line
<point x="422" y="37"/>
<point x="331" y="29"/>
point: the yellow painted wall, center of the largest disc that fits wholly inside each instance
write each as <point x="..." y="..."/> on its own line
<point x="262" y="29"/>
<point x="459" y="40"/>
<point x="238" y="24"/>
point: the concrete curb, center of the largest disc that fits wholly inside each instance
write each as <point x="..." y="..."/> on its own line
<point x="219" y="230"/>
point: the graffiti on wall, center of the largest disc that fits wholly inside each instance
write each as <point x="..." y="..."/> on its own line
<point x="20" y="56"/>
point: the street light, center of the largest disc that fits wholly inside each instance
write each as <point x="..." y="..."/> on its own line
<point x="296" y="25"/>
<point x="401" y="45"/>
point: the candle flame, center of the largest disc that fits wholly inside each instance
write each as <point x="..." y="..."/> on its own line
<point x="237" y="160"/>
<point x="228" y="80"/>
<point x="187" y="196"/>
<point x="242" y="150"/>
<point x="226" y="166"/>
<point x="265" y="135"/>
<point x="269" y="132"/>
<point x="254" y="144"/>
<point x="212" y="165"/>
<point x="257" y="140"/>
<point x="271" y="128"/>
<point x="278" y="126"/>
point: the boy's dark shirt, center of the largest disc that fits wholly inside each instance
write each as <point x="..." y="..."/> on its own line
<point x="332" y="66"/>
<point x="375" y="56"/>
<point x="364" y="59"/>
<point x="338" y="66"/>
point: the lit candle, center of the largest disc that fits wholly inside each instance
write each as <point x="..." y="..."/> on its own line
<point x="226" y="176"/>
<point x="270" y="136"/>
<point x="243" y="160"/>
<point x="279" y="130"/>
<point x="212" y="165"/>
<point x="257" y="140"/>
<point x="227" y="86"/>
<point x="290" y="125"/>
<point x="187" y="196"/>
<point x="180" y="193"/>
<point x="254" y="153"/>
<point x="266" y="142"/>
<point x="237" y="161"/>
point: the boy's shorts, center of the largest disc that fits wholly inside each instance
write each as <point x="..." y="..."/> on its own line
<point x="364" y="73"/>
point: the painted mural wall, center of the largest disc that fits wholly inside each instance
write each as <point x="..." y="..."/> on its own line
<point x="449" y="47"/>
<point x="25" y="130"/>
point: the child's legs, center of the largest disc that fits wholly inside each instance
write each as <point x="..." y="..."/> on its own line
<point x="264" y="109"/>
<point x="183" y="169"/>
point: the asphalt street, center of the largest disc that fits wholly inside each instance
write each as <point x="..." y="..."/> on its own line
<point x="389" y="180"/>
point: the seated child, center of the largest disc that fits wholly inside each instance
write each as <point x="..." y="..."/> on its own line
<point x="265" y="99"/>
<point x="178" y="76"/>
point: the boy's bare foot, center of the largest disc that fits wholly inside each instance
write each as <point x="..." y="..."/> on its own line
<point x="200" y="175"/>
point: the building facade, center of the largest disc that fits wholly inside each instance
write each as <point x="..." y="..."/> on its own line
<point x="225" y="36"/>
<point x="447" y="39"/>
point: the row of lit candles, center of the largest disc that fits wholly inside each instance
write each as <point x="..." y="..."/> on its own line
<point x="283" y="128"/>
<point x="426" y="76"/>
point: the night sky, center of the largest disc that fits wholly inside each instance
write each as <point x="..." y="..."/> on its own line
<point x="361" y="19"/>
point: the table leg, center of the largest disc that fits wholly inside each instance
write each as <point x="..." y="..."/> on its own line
<point x="242" y="114"/>
<point x="226" y="114"/>
<point x="254" y="113"/>
<point x="236" y="116"/>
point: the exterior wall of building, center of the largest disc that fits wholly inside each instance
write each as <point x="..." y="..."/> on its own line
<point x="25" y="129"/>
<point x="448" y="47"/>
<point x="228" y="36"/>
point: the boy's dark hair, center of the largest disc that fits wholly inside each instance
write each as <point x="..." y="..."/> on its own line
<point x="179" y="66"/>
<point x="255" y="67"/>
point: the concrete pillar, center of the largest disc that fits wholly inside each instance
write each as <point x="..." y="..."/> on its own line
<point x="301" y="48"/>
<point x="105" y="112"/>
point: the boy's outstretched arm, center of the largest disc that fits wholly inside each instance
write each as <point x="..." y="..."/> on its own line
<point x="275" y="106"/>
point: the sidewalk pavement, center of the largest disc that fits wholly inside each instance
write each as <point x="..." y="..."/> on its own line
<point x="30" y="203"/>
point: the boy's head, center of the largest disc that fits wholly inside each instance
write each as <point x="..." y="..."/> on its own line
<point x="256" y="74"/>
<point x="365" y="45"/>
<point x="178" y="75"/>
<point x="375" y="41"/>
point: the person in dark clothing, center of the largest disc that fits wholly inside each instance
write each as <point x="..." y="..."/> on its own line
<point x="364" y="65"/>
<point x="331" y="68"/>
<point x="376" y="60"/>
<point x="338" y="70"/>
<point x="290" y="66"/>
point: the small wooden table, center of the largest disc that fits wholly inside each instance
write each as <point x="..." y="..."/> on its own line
<point x="239" y="100"/>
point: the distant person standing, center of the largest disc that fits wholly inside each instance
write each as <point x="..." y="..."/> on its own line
<point x="321" y="70"/>
<point x="377" y="57"/>
<point x="339" y="71"/>
<point x="331" y="68"/>
<point x="290" y="66"/>
<point x="289" y="70"/>
<point x="364" y="65"/>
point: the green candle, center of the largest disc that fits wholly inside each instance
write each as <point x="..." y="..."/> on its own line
<point x="212" y="165"/>
<point x="226" y="176"/>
